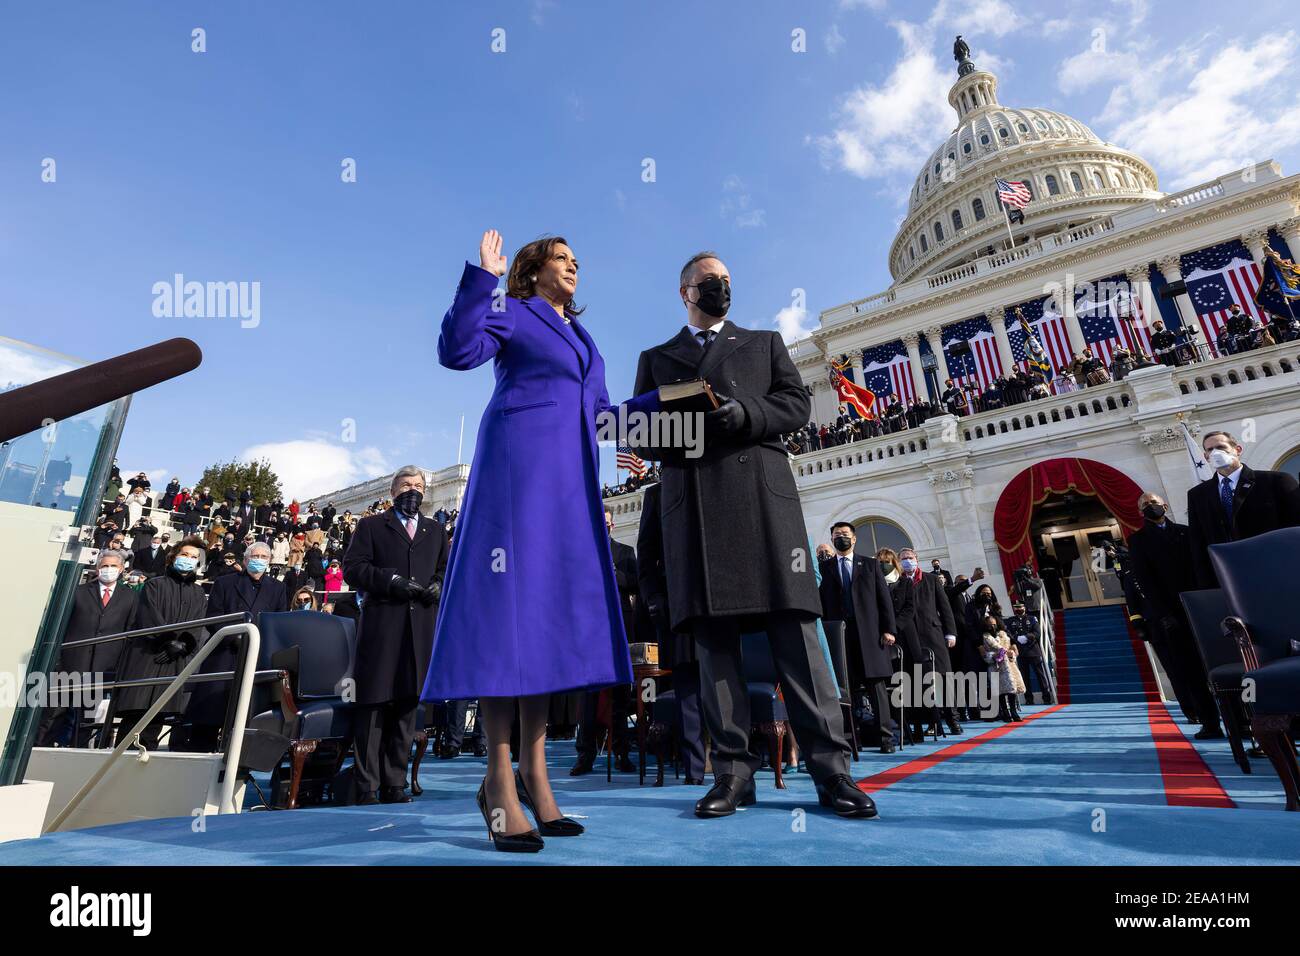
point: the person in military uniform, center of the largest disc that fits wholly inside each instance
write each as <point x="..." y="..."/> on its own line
<point x="893" y="414"/>
<point x="1023" y="629"/>
<point x="1163" y="344"/>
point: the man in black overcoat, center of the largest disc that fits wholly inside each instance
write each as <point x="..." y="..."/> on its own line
<point x="1162" y="567"/>
<point x="866" y="612"/>
<point x="937" y="631"/>
<point x="1238" y="502"/>
<point x="152" y="560"/>
<point x="101" y="606"/>
<point x="254" y="589"/>
<point x="397" y="560"/>
<point x="736" y="548"/>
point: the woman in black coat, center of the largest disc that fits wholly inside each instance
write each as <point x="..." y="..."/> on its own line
<point x="169" y="598"/>
<point x="903" y="593"/>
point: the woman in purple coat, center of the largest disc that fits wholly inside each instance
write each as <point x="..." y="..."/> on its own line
<point x="530" y="606"/>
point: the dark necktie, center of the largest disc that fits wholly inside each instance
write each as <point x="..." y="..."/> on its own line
<point x="706" y="337"/>
<point x="846" y="584"/>
<point x="1225" y="495"/>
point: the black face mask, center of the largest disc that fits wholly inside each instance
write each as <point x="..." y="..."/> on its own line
<point x="715" y="297"/>
<point x="842" y="543"/>
<point x="408" y="502"/>
<point x="886" y="567"/>
<point x="1153" y="512"/>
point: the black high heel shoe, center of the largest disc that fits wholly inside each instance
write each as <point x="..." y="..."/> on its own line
<point x="561" y="827"/>
<point x="529" y="842"/>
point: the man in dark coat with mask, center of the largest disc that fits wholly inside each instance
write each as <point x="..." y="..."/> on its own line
<point x="397" y="560"/>
<point x="735" y="545"/>
<point x="866" y="611"/>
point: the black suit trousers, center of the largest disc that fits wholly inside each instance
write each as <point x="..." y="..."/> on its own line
<point x="384" y="733"/>
<point x="807" y="685"/>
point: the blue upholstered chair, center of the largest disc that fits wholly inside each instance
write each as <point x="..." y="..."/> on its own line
<point x="316" y="653"/>
<point x="1206" y="611"/>
<point x="767" y="713"/>
<point x="1257" y="575"/>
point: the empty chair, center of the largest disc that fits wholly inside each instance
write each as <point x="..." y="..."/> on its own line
<point x="1256" y="575"/>
<point x="1206" y="611"/>
<point x="316" y="651"/>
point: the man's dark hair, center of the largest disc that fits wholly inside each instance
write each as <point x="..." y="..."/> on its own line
<point x="843" y="524"/>
<point x="690" y="264"/>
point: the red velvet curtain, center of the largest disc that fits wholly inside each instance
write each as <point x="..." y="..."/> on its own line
<point x="1015" y="508"/>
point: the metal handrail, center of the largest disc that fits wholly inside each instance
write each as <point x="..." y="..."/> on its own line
<point x="211" y="677"/>
<point x="232" y="618"/>
<point x="244" y="692"/>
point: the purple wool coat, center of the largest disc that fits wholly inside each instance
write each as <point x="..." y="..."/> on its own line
<point x="529" y="605"/>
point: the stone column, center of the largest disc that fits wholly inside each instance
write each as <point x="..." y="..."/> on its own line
<point x="1139" y="280"/>
<point x="824" y="402"/>
<point x="997" y="317"/>
<point x="1073" y="329"/>
<point x="1290" y="231"/>
<point x="934" y="336"/>
<point x="1254" y="241"/>
<point x="913" y="343"/>
<point x="1171" y="267"/>
<point x="959" y="513"/>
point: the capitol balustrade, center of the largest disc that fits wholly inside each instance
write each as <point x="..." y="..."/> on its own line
<point x="1266" y="367"/>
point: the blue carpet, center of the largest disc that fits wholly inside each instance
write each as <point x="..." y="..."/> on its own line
<point x="1100" y="661"/>
<point x="1080" y="785"/>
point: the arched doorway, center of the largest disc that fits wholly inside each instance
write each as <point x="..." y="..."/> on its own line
<point x="1058" y="516"/>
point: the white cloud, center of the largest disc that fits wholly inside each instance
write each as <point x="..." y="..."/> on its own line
<point x="312" y="466"/>
<point x="1194" y="120"/>
<point x="794" y="323"/>
<point x="1094" y="66"/>
<point x="975" y="18"/>
<point x="833" y="39"/>
<point x="894" y="126"/>
<point x="738" y="205"/>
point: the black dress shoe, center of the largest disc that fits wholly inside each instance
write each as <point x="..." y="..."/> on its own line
<point x="528" y="842"/>
<point x="887" y="748"/>
<point x="394" y="795"/>
<point x="625" y="764"/>
<point x="583" y="766"/>
<point x="727" y="793"/>
<point x="954" y="728"/>
<point x="448" y="753"/>
<point x="842" y="795"/>
<point x="367" y="799"/>
<point x="1209" y="733"/>
<point x="559" y="827"/>
<point x="694" y="781"/>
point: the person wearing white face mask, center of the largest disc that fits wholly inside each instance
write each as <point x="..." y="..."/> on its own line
<point x="254" y="591"/>
<point x="1237" y="503"/>
<point x="103" y="605"/>
<point x="936" y="629"/>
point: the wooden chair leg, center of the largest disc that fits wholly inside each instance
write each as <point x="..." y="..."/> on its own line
<point x="853" y="731"/>
<point x="421" y="745"/>
<point x="299" y="751"/>
<point x="774" y="731"/>
<point x="1273" y="732"/>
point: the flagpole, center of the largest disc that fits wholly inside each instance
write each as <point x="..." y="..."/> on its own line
<point x="461" y="442"/>
<point x="1007" y="218"/>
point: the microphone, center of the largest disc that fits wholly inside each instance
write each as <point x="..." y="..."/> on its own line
<point x="30" y="407"/>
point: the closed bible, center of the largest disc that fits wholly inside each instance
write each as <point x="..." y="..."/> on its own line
<point x="692" y="396"/>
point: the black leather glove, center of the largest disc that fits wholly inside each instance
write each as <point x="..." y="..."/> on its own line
<point x="727" y="419"/>
<point x="436" y="590"/>
<point x="424" y="595"/>
<point x="172" y="650"/>
<point x="403" y="589"/>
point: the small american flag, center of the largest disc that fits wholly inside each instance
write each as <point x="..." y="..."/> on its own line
<point x="628" y="461"/>
<point x="1014" y="194"/>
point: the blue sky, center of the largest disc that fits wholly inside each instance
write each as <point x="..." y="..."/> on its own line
<point x="225" y="166"/>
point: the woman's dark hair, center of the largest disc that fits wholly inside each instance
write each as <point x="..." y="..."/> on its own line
<point x="521" y="281"/>
<point x="192" y="541"/>
<point x="990" y="616"/>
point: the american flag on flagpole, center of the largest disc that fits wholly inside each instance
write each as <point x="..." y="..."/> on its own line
<point x="1100" y="308"/>
<point x="628" y="461"/>
<point x="887" y="369"/>
<point x="1216" y="278"/>
<point x="983" y="364"/>
<point x="1014" y="194"/>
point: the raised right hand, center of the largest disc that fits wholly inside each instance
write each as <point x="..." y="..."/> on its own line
<point x="489" y="253"/>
